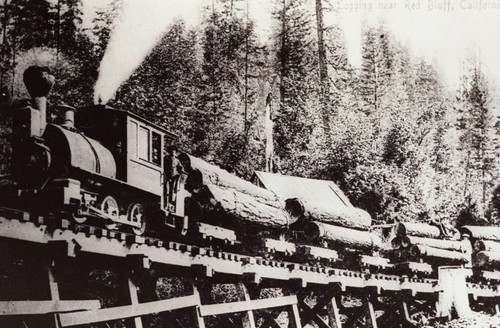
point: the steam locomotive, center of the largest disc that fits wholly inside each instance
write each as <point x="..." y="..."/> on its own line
<point x="107" y="166"/>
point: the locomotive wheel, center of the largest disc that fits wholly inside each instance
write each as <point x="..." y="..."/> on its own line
<point x="110" y="207"/>
<point x="136" y="214"/>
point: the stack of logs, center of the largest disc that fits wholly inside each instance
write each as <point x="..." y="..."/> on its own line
<point x="421" y="242"/>
<point x="215" y="190"/>
<point x="335" y="225"/>
<point x="486" y="245"/>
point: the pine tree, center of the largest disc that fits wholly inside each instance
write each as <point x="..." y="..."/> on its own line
<point x="69" y="13"/>
<point x="477" y="130"/>
<point x="297" y="60"/>
<point x="375" y="68"/>
<point x="34" y="23"/>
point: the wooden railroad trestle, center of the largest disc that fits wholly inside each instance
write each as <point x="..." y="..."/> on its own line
<point x="303" y="294"/>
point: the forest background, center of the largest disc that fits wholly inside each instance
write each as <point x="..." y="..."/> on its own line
<point x="401" y="144"/>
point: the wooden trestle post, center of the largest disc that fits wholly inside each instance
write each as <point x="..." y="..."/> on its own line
<point x="248" y="320"/>
<point x="53" y="286"/>
<point x="247" y="303"/>
<point x="371" y="320"/>
<point x="333" y="312"/>
<point x="134" y="299"/>
<point x="199" y="319"/>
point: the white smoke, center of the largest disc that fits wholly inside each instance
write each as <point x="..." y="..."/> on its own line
<point x="140" y="26"/>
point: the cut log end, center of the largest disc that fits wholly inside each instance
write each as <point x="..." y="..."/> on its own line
<point x="295" y="208"/>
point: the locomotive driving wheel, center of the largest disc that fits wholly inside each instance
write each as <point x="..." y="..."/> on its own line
<point x="136" y="213"/>
<point x="110" y="207"/>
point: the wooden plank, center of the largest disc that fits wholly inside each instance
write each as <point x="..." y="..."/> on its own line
<point x="371" y="313"/>
<point x="53" y="287"/>
<point x="134" y="300"/>
<point x="406" y="313"/>
<point x="199" y="317"/>
<point x="127" y="311"/>
<point x="226" y="308"/>
<point x="248" y="319"/>
<point x="44" y="307"/>
<point x="294" y="316"/>
<point x="333" y="313"/>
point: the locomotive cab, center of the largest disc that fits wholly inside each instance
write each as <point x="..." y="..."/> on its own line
<point x="136" y="144"/>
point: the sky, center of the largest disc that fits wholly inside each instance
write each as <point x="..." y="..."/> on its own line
<point x="441" y="31"/>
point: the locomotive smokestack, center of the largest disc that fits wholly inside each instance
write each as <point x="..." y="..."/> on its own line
<point x="39" y="82"/>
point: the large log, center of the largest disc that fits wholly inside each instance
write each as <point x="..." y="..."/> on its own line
<point x="214" y="175"/>
<point x="443" y="256"/>
<point x="487" y="259"/>
<point x="451" y="245"/>
<point x="417" y="229"/>
<point x="349" y="217"/>
<point x="232" y="195"/>
<point x="486" y="245"/>
<point x="479" y="232"/>
<point x="350" y="238"/>
<point x="246" y="207"/>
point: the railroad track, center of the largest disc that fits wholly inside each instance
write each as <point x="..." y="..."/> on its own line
<point x="204" y="267"/>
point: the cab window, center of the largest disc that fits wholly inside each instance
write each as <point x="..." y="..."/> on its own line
<point x="143" y="143"/>
<point x="156" y="148"/>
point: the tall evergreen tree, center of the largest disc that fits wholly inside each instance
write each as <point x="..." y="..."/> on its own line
<point x="376" y="68"/>
<point x="476" y="125"/>
<point x="297" y="60"/>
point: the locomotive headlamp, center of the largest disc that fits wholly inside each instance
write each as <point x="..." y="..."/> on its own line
<point x="31" y="162"/>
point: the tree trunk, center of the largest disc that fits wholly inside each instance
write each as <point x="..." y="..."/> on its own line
<point x="247" y="208"/>
<point x="214" y="175"/>
<point x="344" y="216"/>
<point x="451" y="245"/>
<point x="246" y="70"/>
<point x="233" y="196"/>
<point x="479" y="232"/>
<point x="282" y="60"/>
<point x="350" y="238"/>
<point x="268" y="133"/>
<point x="443" y="256"/>
<point x="417" y="229"/>
<point x="323" y="72"/>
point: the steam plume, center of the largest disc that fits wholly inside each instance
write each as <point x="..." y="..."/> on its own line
<point x="141" y="25"/>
